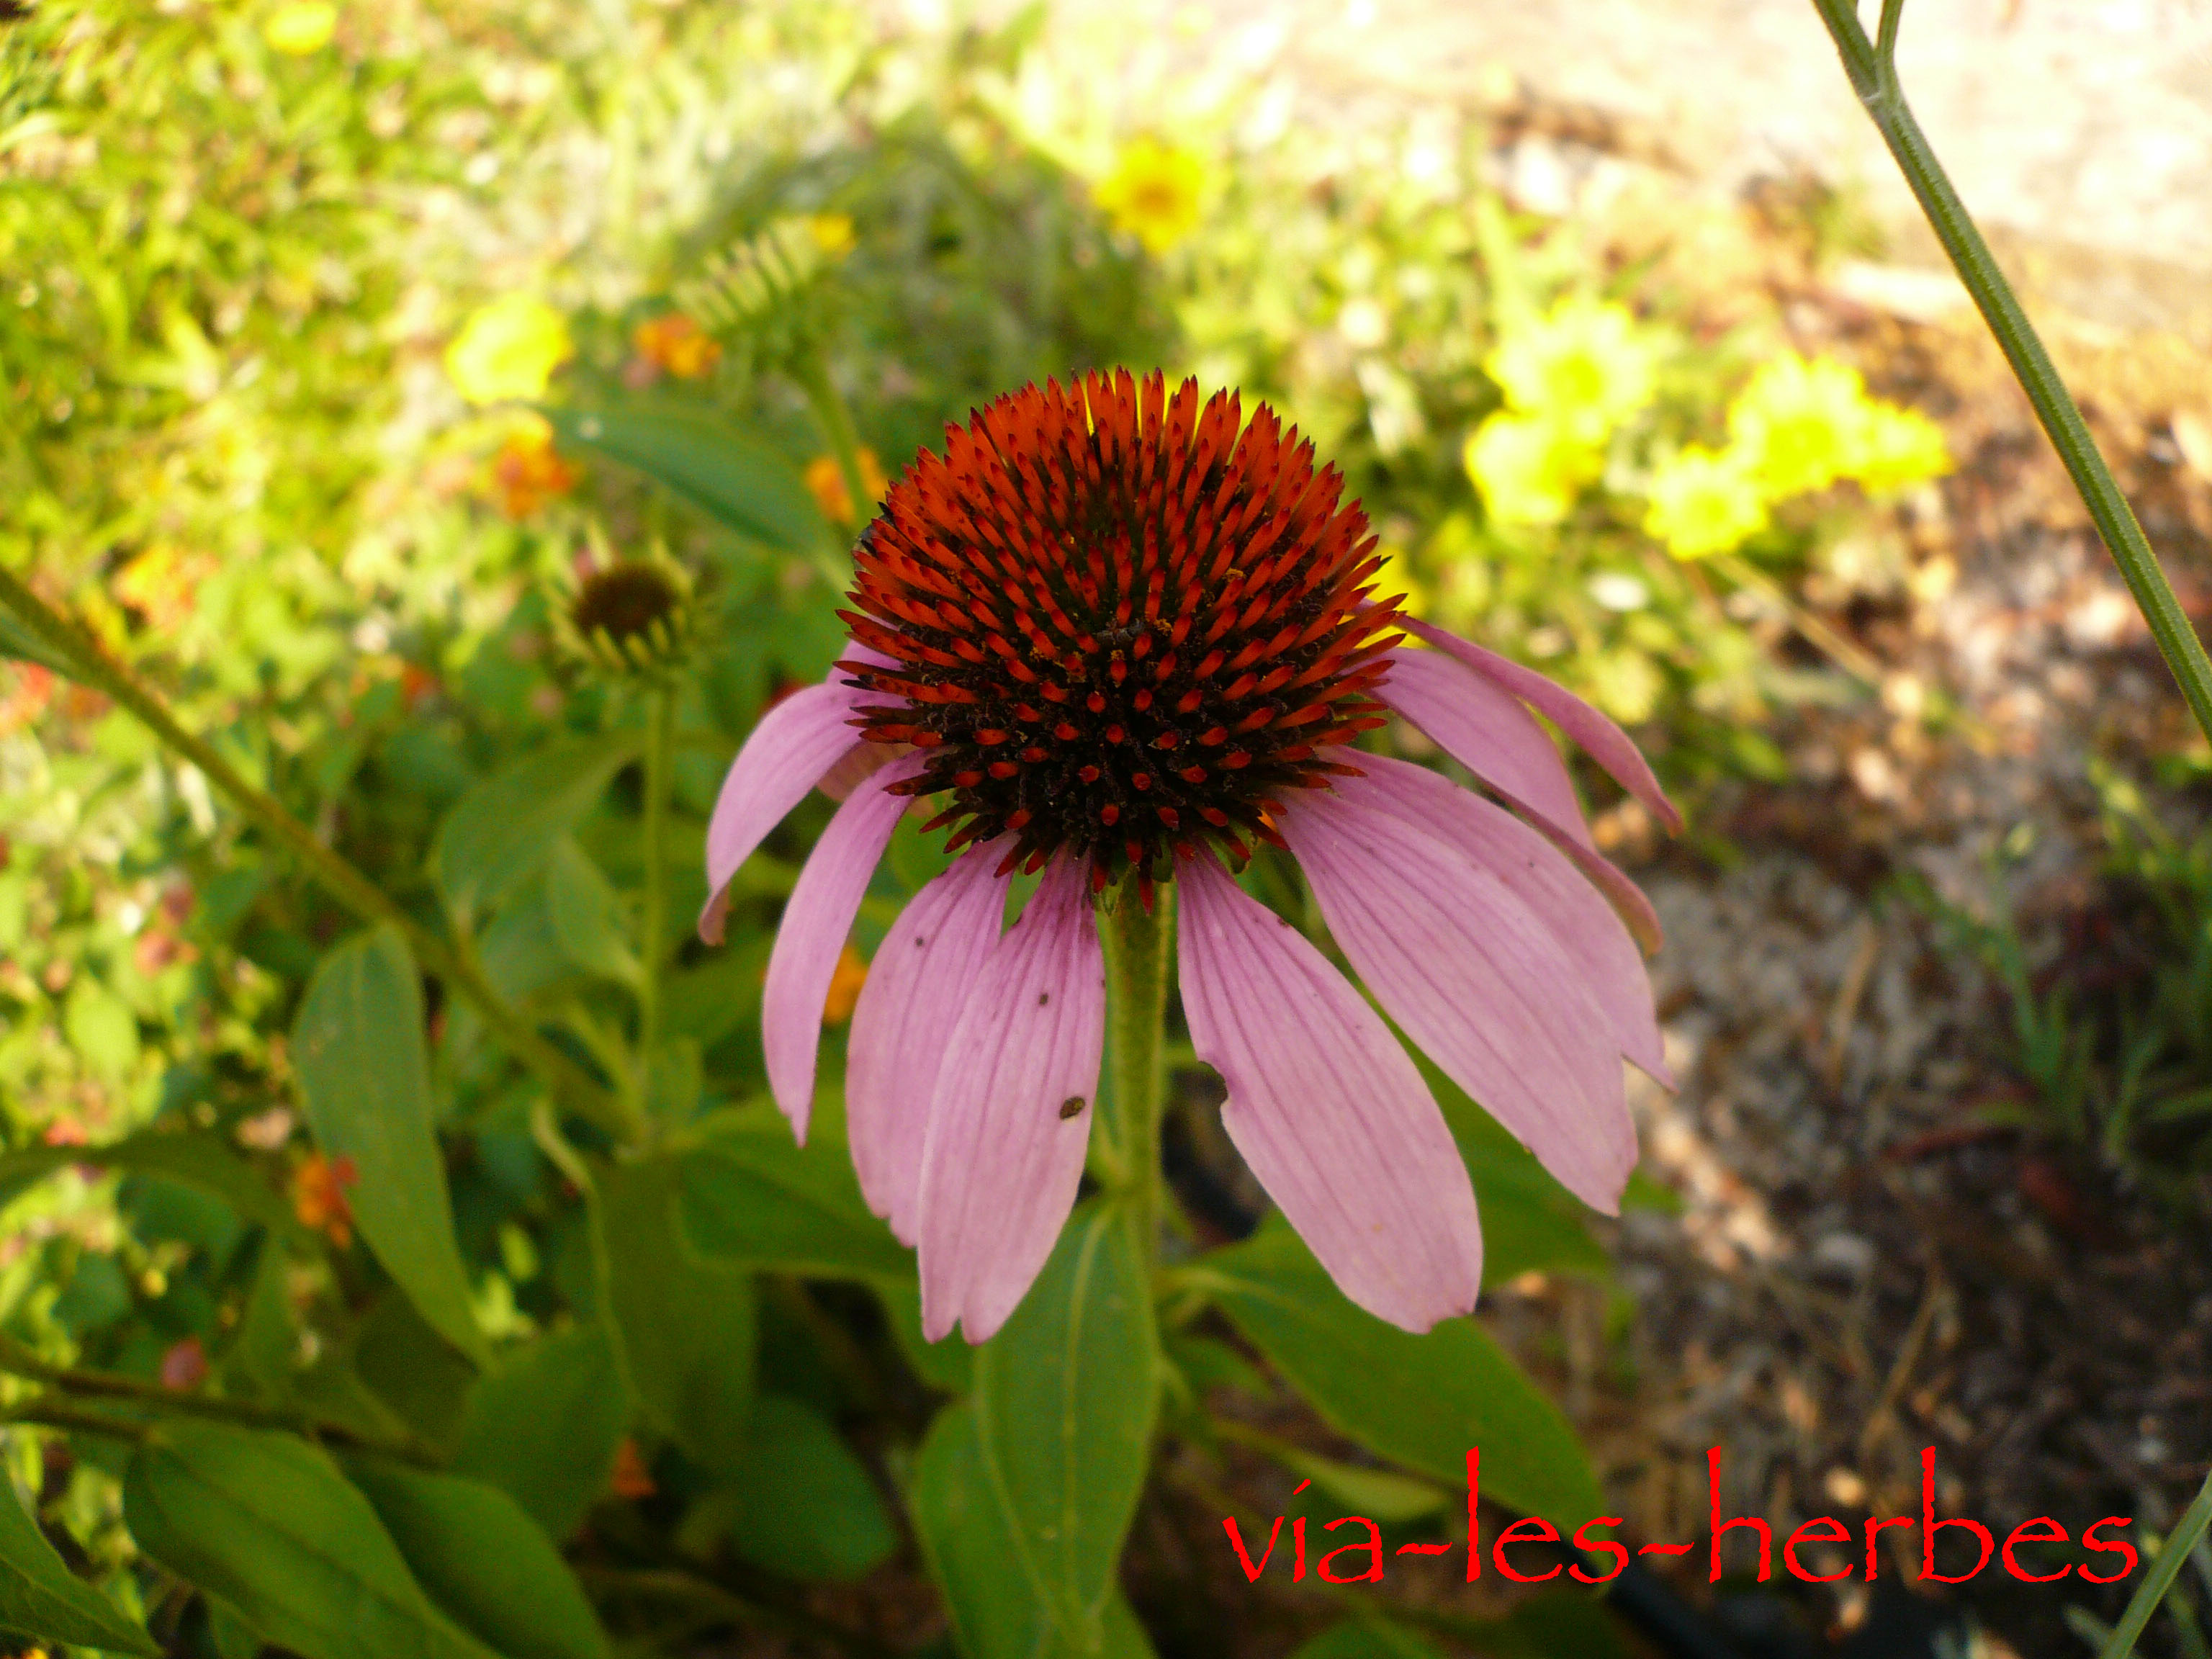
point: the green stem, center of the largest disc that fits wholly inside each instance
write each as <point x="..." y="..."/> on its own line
<point x="652" y="954"/>
<point x="2159" y="1579"/>
<point x="344" y="882"/>
<point x="835" y="420"/>
<point x="1872" y="68"/>
<point x="1139" y="947"/>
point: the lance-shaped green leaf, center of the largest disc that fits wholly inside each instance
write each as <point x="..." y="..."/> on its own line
<point x="1065" y="1397"/>
<point x="1422" y="1400"/>
<point x="202" y="1161"/>
<point x="707" y="461"/>
<point x="545" y="1426"/>
<point x="486" y="1564"/>
<point x="502" y="831"/>
<point x="365" y="1077"/>
<point x="266" y="1522"/>
<point x="587" y="915"/>
<point x="41" y="1599"/>
<point x="17" y="640"/>
<point x="799" y="1501"/>
<point x="968" y="1543"/>
<point x="687" y="1324"/>
<point x="752" y="1197"/>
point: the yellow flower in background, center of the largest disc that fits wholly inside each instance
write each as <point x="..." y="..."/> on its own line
<point x="508" y="349"/>
<point x="1154" y="192"/>
<point x="1800" y="424"/>
<point x="827" y="480"/>
<point x="851" y="973"/>
<point x="676" y="344"/>
<point x="1586" y="365"/>
<point x="833" y="233"/>
<point x="1898" y="448"/>
<point x="1705" y="501"/>
<point x="1529" y="469"/>
<point x="301" y="28"/>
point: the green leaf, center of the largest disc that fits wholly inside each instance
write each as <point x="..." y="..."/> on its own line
<point x="1368" y="1638"/>
<point x="40" y="1597"/>
<point x="799" y="1503"/>
<point x="485" y="1563"/>
<point x="267" y="1523"/>
<point x="199" y="1160"/>
<point x="544" y="1427"/>
<point x="708" y="462"/>
<point x="365" y="1077"/>
<point x="101" y="1028"/>
<point x="1530" y="1222"/>
<point x="752" y="1197"/>
<point x="949" y="1364"/>
<point x="502" y="831"/>
<point x="1421" y="1400"/>
<point x="228" y="1633"/>
<point x="587" y="916"/>
<point x="261" y="1352"/>
<point x="687" y="1325"/>
<point x="1064" y="1396"/>
<point x="966" y="1540"/>
<point x="413" y="1371"/>
<point x="1379" y="1494"/>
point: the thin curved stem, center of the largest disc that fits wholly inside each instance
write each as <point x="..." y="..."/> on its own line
<point x="2186" y="1533"/>
<point x="341" y="878"/>
<point x="1872" y="67"/>
<point x="1140" y="948"/>
<point x="652" y="929"/>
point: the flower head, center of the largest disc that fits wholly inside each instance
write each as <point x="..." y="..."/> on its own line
<point x="1117" y="635"/>
<point x="1799" y="423"/>
<point x="1897" y="448"/>
<point x="319" y="1196"/>
<point x="1529" y="469"/>
<point x="1705" y="501"/>
<point x="528" y="472"/>
<point x="629" y="616"/>
<point x="508" y="349"/>
<point x="825" y="479"/>
<point x="675" y="345"/>
<point x="1154" y="192"/>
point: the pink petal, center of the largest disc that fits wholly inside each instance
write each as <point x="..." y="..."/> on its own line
<point x="1000" y="1162"/>
<point x="922" y="976"/>
<point x="1327" y="1109"/>
<point x="797" y="741"/>
<point x="1490" y="732"/>
<point x="812" y="936"/>
<point x="1477" y="982"/>
<point x="1535" y="873"/>
<point x="1475" y="722"/>
<point x="1604" y="742"/>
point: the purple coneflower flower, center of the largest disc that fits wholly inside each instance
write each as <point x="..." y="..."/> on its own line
<point x="1122" y="636"/>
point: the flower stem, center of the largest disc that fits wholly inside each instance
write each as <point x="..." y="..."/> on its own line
<point x="1872" y="67"/>
<point x="344" y="882"/>
<point x="652" y="929"/>
<point x="2185" y="1537"/>
<point x="1139" y="946"/>
<point x="835" y="420"/>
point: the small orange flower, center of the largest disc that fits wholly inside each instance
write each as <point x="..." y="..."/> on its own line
<point x="529" y="473"/>
<point x="26" y="688"/>
<point x="632" y="1480"/>
<point x="827" y="480"/>
<point x="845" y="987"/>
<point x="318" y="1198"/>
<point x="677" y="345"/>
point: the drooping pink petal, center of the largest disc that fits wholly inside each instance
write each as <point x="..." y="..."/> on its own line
<point x="1488" y="731"/>
<point x="797" y="741"/>
<point x="1477" y="723"/>
<point x="1326" y="1109"/>
<point x="1535" y="871"/>
<point x="923" y="976"/>
<point x="812" y="936"/>
<point x="1603" y="741"/>
<point x="1010" y="1115"/>
<point x="1477" y="982"/>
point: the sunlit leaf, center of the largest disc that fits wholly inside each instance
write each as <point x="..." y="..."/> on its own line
<point x="365" y="1078"/>
<point x="751" y="1197"/>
